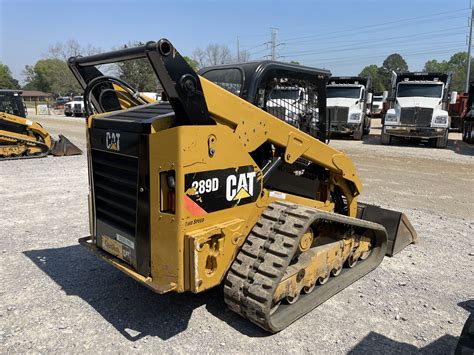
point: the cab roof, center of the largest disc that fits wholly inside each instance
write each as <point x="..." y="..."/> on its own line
<point x="254" y="72"/>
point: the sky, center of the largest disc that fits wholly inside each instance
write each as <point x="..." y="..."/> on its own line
<point x="340" y="35"/>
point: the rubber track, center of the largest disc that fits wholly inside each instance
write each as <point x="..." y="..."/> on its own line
<point x="40" y="155"/>
<point x="261" y="263"/>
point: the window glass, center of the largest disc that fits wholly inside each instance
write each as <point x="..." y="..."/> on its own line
<point x="350" y="92"/>
<point x="420" y="90"/>
<point x="229" y="79"/>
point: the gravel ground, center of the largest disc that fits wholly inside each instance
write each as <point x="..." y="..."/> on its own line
<point x="56" y="297"/>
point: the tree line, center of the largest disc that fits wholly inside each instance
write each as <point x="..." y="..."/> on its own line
<point x="381" y="76"/>
<point x="51" y="73"/>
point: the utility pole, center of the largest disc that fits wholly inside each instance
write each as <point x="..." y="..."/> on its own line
<point x="468" y="70"/>
<point x="238" y="50"/>
<point x="273" y="42"/>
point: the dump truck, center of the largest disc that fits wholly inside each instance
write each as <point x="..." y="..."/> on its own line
<point x="348" y="104"/>
<point x="467" y="117"/>
<point x="418" y="108"/>
<point x="21" y="138"/>
<point x="209" y="189"/>
<point x="75" y="107"/>
<point x="376" y="108"/>
<point x="457" y="110"/>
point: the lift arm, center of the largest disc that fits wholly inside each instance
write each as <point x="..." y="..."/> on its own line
<point x="197" y="101"/>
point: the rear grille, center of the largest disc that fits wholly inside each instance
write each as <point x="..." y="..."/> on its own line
<point x="77" y="107"/>
<point x="115" y="190"/>
<point x="338" y="114"/>
<point x="416" y="116"/>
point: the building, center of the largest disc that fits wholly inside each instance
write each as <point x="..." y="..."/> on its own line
<point x="34" y="95"/>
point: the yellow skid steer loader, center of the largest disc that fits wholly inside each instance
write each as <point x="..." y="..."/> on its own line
<point x="215" y="189"/>
<point x="22" y="138"/>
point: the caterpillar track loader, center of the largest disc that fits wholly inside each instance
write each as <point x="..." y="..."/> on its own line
<point x="211" y="189"/>
<point x="22" y="138"/>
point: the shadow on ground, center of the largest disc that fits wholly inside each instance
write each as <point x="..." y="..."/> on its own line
<point x="467" y="305"/>
<point x="380" y="344"/>
<point x="134" y="310"/>
<point x="375" y="343"/>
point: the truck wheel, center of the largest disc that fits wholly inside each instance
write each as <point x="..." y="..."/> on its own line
<point x="359" y="133"/>
<point x="367" y="129"/>
<point x="385" y="139"/>
<point x="469" y="128"/>
<point x="464" y="131"/>
<point x="68" y="114"/>
<point x="442" y="142"/>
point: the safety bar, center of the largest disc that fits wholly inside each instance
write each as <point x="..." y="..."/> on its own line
<point x="179" y="81"/>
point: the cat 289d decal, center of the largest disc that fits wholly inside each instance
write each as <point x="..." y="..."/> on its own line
<point x="215" y="190"/>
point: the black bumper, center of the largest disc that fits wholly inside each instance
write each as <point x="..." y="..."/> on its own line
<point x="344" y="128"/>
<point x="414" y="132"/>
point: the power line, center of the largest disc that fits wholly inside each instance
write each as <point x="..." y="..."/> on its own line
<point x="342" y="60"/>
<point x="397" y="22"/>
<point x="444" y="30"/>
<point x="351" y="48"/>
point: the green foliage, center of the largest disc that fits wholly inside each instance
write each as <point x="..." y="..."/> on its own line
<point x="138" y="73"/>
<point x="395" y="62"/>
<point x="52" y="76"/>
<point x="456" y="64"/>
<point x="192" y="63"/>
<point x="374" y="72"/>
<point x="6" y="79"/>
<point x="382" y="76"/>
<point x="294" y="62"/>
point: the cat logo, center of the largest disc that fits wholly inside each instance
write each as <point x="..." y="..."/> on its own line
<point x="112" y="141"/>
<point x="240" y="186"/>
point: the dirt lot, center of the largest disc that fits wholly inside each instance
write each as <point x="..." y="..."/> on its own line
<point x="55" y="297"/>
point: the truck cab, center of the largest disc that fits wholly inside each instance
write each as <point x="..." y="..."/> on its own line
<point x="348" y="99"/>
<point x="293" y="98"/>
<point x="418" y="108"/>
<point x="377" y="105"/>
<point x="75" y="107"/>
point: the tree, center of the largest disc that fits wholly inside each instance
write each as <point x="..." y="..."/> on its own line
<point x="374" y="72"/>
<point x="213" y="54"/>
<point x="435" y="66"/>
<point x="294" y="62"/>
<point x="393" y="63"/>
<point x="70" y="48"/>
<point x="456" y="64"/>
<point x="244" y="56"/>
<point x="6" y="78"/>
<point x="138" y="73"/>
<point x="192" y="63"/>
<point x="51" y="75"/>
<point x="396" y="63"/>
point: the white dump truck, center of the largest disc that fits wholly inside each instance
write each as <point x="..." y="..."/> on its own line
<point x="288" y="103"/>
<point x="75" y="107"/>
<point x="377" y="105"/>
<point x="418" y="108"/>
<point x="348" y="102"/>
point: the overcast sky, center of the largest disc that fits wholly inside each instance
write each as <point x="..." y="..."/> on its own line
<point x="340" y="35"/>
